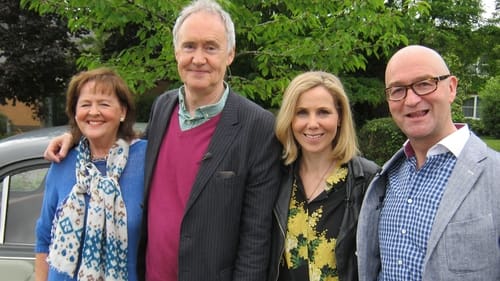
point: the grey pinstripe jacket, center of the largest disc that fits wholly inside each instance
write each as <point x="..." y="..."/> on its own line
<point x="226" y="228"/>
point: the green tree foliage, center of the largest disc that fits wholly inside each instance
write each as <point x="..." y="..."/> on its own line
<point x="283" y="38"/>
<point x="490" y="103"/>
<point x="488" y="38"/>
<point x="456" y="29"/>
<point x="275" y="40"/>
<point x="35" y="59"/>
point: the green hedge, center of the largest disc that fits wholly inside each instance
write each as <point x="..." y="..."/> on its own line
<point x="490" y="103"/>
<point x="379" y="139"/>
<point x="476" y="126"/>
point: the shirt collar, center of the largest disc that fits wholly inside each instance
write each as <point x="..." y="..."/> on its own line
<point x="453" y="143"/>
<point x="203" y="112"/>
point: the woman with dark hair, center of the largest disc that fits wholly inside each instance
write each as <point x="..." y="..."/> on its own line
<point x="90" y="220"/>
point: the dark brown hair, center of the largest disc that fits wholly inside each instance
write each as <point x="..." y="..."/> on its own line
<point x="106" y="81"/>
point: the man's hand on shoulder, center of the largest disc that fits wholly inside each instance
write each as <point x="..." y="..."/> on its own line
<point x="58" y="148"/>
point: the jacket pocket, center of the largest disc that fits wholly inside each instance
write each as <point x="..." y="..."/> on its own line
<point x="471" y="245"/>
<point x="225" y="174"/>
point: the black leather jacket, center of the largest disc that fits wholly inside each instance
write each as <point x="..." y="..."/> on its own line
<point x="361" y="172"/>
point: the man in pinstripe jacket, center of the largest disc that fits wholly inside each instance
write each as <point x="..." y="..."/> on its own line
<point x="212" y="165"/>
<point x="212" y="170"/>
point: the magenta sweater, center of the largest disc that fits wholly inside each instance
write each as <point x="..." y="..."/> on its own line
<point x="178" y="162"/>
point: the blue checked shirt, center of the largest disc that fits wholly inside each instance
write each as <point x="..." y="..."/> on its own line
<point x="412" y="199"/>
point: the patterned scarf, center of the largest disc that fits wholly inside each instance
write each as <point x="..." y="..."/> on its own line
<point x="104" y="249"/>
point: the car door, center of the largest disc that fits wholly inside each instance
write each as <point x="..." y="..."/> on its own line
<point x="21" y="188"/>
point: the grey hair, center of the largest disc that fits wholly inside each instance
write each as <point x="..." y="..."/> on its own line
<point x="209" y="6"/>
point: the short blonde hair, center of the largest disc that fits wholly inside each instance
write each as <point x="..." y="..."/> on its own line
<point x="344" y="145"/>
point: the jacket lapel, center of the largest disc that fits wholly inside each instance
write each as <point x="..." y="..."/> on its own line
<point x="158" y="123"/>
<point x="226" y="131"/>
<point x="373" y="202"/>
<point x="462" y="179"/>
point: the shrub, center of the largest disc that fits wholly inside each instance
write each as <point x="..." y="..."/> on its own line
<point x="379" y="139"/>
<point x="476" y="126"/>
<point x="490" y="103"/>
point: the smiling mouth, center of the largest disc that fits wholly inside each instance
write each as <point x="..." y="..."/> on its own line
<point x="198" y="70"/>
<point x="417" y="114"/>
<point x="313" y="136"/>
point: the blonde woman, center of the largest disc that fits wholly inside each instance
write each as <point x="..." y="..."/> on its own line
<point x="316" y="212"/>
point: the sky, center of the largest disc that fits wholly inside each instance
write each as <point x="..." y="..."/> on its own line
<point x="489" y="7"/>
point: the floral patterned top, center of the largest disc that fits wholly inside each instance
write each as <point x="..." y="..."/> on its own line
<point x="312" y="230"/>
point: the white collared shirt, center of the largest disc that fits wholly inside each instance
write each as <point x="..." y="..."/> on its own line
<point x="454" y="142"/>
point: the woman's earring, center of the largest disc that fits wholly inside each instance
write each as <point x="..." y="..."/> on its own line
<point x="122" y="119"/>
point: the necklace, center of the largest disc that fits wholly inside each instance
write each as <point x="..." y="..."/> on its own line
<point x="96" y="159"/>
<point x="309" y="198"/>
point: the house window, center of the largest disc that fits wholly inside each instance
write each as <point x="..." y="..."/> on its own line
<point x="470" y="107"/>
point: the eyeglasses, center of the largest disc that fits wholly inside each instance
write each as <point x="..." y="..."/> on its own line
<point x="420" y="88"/>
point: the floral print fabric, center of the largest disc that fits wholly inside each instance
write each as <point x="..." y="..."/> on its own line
<point x="104" y="231"/>
<point x="312" y="230"/>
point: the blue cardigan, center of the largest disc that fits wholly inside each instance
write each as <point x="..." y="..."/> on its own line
<point x="59" y="182"/>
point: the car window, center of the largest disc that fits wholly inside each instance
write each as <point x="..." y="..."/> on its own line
<point x="24" y="200"/>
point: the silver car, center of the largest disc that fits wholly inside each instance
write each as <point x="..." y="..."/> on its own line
<point x="22" y="183"/>
<point x="22" y="174"/>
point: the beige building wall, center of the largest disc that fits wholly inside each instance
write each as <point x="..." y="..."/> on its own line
<point x="20" y="116"/>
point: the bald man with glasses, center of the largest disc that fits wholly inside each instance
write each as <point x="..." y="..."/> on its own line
<point x="433" y="212"/>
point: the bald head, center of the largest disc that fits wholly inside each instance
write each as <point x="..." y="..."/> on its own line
<point x="425" y="117"/>
<point x="417" y="58"/>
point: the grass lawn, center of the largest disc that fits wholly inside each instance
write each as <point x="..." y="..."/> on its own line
<point x="493" y="143"/>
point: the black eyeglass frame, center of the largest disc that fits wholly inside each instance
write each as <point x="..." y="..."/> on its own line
<point x="410" y="86"/>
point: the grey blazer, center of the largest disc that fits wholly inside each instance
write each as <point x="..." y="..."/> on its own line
<point x="226" y="228"/>
<point x="464" y="243"/>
